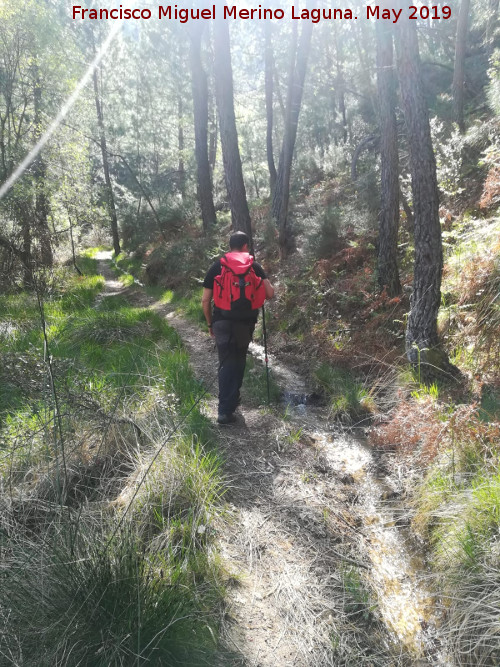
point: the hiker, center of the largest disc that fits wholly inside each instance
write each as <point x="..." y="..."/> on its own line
<point x="238" y="286"/>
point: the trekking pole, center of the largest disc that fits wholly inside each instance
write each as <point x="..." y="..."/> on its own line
<point x="265" y="353"/>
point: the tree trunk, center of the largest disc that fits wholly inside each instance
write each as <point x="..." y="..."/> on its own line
<point x="73" y="254"/>
<point x="388" y="276"/>
<point x="269" y="76"/>
<point x="200" y="109"/>
<point x="42" y="232"/>
<point x="105" y="163"/>
<point x="180" y="138"/>
<point x="212" y="137"/>
<point x="422" y="344"/>
<point x="26" y="254"/>
<point x="340" y="85"/>
<point x="459" y="71"/>
<point x="227" y="122"/>
<point x="410" y="222"/>
<point x="297" y="74"/>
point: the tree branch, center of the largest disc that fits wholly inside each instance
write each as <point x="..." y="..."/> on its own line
<point x="370" y="141"/>
<point x="5" y="243"/>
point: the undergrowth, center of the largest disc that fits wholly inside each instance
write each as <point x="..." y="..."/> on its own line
<point x="470" y="317"/>
<point x="456" y="504"/>
<point x="348" y="399"/>
<point x="110" y="486"/>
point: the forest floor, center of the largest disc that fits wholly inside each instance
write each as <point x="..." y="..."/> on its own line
<point x="322" y="567"/>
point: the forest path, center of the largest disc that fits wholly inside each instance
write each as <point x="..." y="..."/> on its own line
<point x="307" y="513"/>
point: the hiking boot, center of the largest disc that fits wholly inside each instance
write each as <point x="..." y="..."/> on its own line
<point x="226" y="419"/>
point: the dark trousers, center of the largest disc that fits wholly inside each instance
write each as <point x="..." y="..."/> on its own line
<point x="232" y="339"/>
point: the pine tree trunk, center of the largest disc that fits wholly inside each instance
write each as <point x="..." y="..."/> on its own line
<point x="199" y="87"/>
<point x="269" y="79"/>
<point x="388" y="275"/>
<point x="459" y="70"/>
<point x="227" y="122"/>
<point x="340" y="84"/>
<point x="212" y="138"/>
<point x="422" y="344"/>
<point x="180" y="139"/>
<point x="297" y="74"/>
<point x="105" y="163"/>
<point x="27" y="259"/>
<point x="410" y="222"/>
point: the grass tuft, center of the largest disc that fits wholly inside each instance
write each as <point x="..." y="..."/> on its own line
<point x="72" y="454"/>
<point x="348" y="398"/>
<point x="73" y="601"/>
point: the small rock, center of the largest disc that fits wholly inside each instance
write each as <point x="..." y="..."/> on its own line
<point x="389" y="494"/>
<point x="347" y="479"/>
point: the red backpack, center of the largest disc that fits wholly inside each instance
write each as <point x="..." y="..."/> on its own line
<point x="238" y="289"/>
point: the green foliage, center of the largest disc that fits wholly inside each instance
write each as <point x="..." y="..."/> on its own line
<point x="16" y="306"/>
<point x="464" y="541"/>
<point x="490" y="405"/>
<point x="107" y="327"/>
<point x="87" y="262"/>
<point x="425" y="391"/>
<point x="181" y="496"/>
<point x="450" y="145"/>
<point x="21" y="312"/>
<point x="82" y="295"/>
<point x="470" y="317"/>
<point x="326" y="242"/>
<point x="181" y="265"/>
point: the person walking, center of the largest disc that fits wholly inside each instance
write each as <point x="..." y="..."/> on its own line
<point x="238" y="287"/>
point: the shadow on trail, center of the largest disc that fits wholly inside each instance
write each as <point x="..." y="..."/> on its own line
<point x="298" y="535"/>
<point x="324" y="498"/>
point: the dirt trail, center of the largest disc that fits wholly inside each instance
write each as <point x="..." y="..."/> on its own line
<point x="305" y="505"/>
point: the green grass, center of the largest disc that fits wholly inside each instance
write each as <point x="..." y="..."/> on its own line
<point x="21" y="335"/>
<point x="72" y="601"/>
<point x="180" y="494"/>
<point x="189" y="304"/>
<point x="348" y="398"/>
<point x="458" y="512"/>
<point x="359" y="602"/>
<point x="87" y="262"/>
<point x="130" y="265"/>
<point x="464" y="540"/>
<point x="156" y="595"/>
